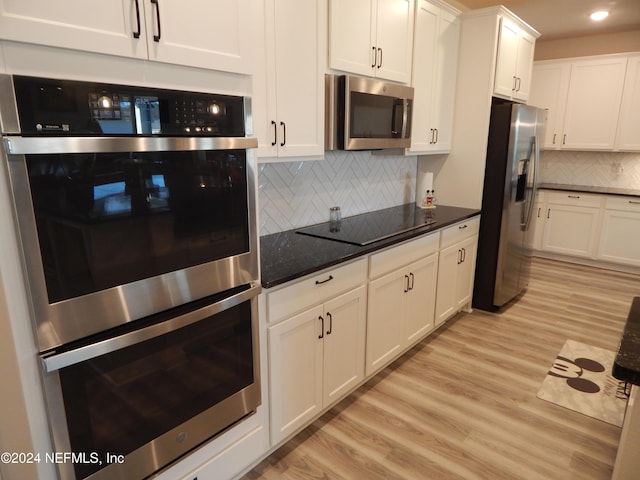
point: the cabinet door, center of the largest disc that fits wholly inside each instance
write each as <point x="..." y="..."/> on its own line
<point x="593" y="104"/>
<point x="524" y="65"/>
<point x="90" y="25"/>
<point x="209" y="34"/>
<point x="620" y="238"/>
<point x="421" y="298"/>
<point x="570" y="230"/>
<point x="351" y="47"/>
<point x="299" y="79"/>
<point x="424" y="77"/>
<point x="549" y="87"/>
<point x="628" y="127"/>
<point x="289" y="83"/>
<point x="505" y="81"/>
<point x="295" y="372"/>
<point x="466" y="272"/>
<point x="446" y="290"/>
<point x="394" y="39"/>
<point x="537" y="222"/>
<point x="385" y="318"/>
<point x="446" y="75"/>
<point x="344" y="323"/>
<point x="435" y="65"/>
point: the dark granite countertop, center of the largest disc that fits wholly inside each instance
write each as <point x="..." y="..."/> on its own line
<point x="288" y="255"/>
<point x="626" y="366"/>
<point x="590" y="189"/>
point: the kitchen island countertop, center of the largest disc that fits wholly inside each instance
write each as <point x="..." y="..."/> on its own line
<point x="288" y="255"/>
<point x="626" y="365"/>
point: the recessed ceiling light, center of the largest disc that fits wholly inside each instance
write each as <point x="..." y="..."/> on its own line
<point x="600" y="15"/>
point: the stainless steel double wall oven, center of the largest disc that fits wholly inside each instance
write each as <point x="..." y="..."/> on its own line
<point x="136" y="214"/>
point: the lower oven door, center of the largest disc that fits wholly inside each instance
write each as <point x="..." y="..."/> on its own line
<point x="127" y="405"/>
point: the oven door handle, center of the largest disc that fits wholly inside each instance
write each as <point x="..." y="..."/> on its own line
<point x="46" y="145"/>
<point x="57" y="361"/>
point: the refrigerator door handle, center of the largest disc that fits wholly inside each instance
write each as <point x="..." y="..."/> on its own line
<point x="534" y="187"/>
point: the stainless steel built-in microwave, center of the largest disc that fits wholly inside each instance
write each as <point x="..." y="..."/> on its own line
<point x="366" y="114"/>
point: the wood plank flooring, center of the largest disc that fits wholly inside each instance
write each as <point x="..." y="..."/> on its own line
<point x="462" y="404"/>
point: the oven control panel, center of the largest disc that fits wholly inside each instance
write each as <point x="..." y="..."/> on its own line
<point x="62" y="107"/>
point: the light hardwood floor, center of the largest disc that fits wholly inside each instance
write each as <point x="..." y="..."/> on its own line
<point x="462" y="404"/>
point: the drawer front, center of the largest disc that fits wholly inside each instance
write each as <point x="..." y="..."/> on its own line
<point x="630" y="204"/>
<point x="578" y="199"/>
<point x="315" y="289"/>
<point x="458" y="232"/>
<point x="400" y="255"/>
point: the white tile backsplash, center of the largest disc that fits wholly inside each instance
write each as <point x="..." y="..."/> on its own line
<point x="597" y="169"/>
<point x="299" y="193"/>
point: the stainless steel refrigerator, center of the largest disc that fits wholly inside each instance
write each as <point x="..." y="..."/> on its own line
<point x="510" y="183"/>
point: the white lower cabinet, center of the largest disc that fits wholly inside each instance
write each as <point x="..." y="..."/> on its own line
<point x="401" y="300"/>
<point x="571" y="224"/>
<point x="456" y="269"/>
<point x="316" y="357"/>
<point x="401" y="308"/>
<point x="620" y="237"/>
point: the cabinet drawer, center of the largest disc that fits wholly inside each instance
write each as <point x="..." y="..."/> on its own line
<point x="631" y="204"/>
<point x="403" y="254"/>
<point x="575" y="198"/>
<point x="459" y="232"/>
<point x="315" y="289"/>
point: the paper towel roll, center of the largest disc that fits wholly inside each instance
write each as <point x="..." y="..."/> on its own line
<point x="424" y="182"/>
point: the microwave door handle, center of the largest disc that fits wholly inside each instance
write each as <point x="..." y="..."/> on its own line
<point x="405" y="118"/>
<point x="57" y="361"/>
<point x="395" y="117"/>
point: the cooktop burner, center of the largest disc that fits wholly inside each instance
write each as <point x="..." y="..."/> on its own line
<point x="371" y="227"/>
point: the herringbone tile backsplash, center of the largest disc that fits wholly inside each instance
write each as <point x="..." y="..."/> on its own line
<point x="296" y="194"/>
<point x="596" y="169"/>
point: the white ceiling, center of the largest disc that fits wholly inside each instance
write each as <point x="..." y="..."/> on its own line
<point x="569" y="18"/>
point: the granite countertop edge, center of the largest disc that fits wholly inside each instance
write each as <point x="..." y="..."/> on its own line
<point x="626" y="365"/>
<point x="287" y="246"/>
<point x="632" y="192"/>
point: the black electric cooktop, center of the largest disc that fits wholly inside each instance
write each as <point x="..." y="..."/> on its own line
<point x="371" y="227"/>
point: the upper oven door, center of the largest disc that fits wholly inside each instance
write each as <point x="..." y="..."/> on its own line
<point x="115" y="229"/>
<point x="377" y="114"/>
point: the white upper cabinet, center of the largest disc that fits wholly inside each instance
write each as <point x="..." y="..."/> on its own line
<point x="514" y="60"/>
<point x="629" y="124"/>
<point x="584" y="97"/>
<point x="593" y="103"/>
<point x="435" y="64"/>
<point x="201" y="33"/>
<point x="289" y="80"/>
<point x="372" y="37"/>
<point x="211" y="34"/>
<point x="550" y="83"/>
